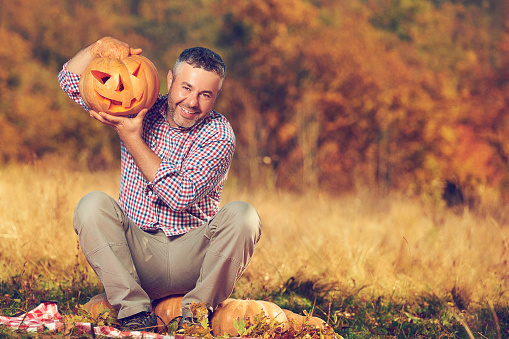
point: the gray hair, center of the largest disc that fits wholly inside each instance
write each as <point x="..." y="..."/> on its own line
<point x="202" y="58"/>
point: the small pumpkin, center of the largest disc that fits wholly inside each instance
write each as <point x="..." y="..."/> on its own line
<point x="230" y="309"/>
<point x="120" y="86"/>
<point x="167" y="309"/>
<point x="298" y="321"/>
<point x="98" y="304"/>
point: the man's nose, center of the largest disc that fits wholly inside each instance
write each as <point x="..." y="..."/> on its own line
<point x="192" y="100"/>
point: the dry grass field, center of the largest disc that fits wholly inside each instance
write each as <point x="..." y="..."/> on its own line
<point x="393" y="246"/>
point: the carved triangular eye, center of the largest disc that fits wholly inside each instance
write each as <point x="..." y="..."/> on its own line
<point x="137" y="71"/>
<point x="120" y="86"/>
<point x="101" y="76"/>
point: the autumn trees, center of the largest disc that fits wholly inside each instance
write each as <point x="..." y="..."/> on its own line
<point x="331" y="95"/>
<point x="387" y="95"/>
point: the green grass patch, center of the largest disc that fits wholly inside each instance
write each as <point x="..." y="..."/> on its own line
<point x="355" y="315"/>
<point x="350" y="313"/>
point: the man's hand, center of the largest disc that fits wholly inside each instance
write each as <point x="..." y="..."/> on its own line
<point x="104" y="47"/>
<point x="109" y="47"/>
<point x="130" y="131"/>
<point x="127" y="128"/>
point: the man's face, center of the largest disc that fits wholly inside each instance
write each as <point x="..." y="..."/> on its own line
<point x="191" y="95"/>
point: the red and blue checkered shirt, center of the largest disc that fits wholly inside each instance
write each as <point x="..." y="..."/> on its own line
<point x="187" y="187"/>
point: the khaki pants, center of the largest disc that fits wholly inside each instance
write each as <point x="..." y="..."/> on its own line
<point x="136" y="266"/>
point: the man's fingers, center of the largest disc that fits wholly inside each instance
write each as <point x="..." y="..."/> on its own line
<point x="141" y="114"/>
<point x="135" y="51"/>
<point x="104" y="118"/>
<point x="113" y="48"/>
<point x="94" y="114"/>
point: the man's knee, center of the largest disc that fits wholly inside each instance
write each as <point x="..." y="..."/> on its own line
<point x="89" y="208"/>
<point x="244" y="218"/>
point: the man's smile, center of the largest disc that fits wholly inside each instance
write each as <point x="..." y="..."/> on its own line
<point x="188" y="114"/>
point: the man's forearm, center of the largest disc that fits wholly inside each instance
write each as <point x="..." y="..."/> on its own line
<point x="80" y="61"/>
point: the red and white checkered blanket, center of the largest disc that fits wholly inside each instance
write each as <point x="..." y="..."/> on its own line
<point x="46" y="316"/>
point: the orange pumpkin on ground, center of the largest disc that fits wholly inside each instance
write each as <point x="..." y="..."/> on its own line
<point x="120" y="86"/>
<point x="97" y="304"/>
<point x="167" y="309"/>
<point x="298" y="321"/>
<point x="230" y="309"/>
<point x="222" y="319"/>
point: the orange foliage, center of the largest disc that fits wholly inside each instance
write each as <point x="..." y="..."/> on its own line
<point x="322" y="94"/>
<point x="470" y="157"/>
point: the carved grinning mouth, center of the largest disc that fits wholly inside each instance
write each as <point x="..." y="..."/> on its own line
<point x="112" y="104"/>
<point x="115" y="105"/>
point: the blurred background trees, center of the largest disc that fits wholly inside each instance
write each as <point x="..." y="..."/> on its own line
<point x="378" y="95"/>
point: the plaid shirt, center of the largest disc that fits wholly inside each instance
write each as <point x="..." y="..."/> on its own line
<point x="187" y="187"/>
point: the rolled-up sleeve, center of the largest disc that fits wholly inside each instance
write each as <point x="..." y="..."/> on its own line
<point x="70" y="83"/>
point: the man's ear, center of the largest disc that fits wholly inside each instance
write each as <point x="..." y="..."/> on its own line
<point x="169" y="79"/>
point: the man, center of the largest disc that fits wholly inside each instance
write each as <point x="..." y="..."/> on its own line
<point x="166" y="235"/>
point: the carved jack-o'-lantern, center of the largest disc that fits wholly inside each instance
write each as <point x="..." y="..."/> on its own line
<point x="120" y="87"/>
